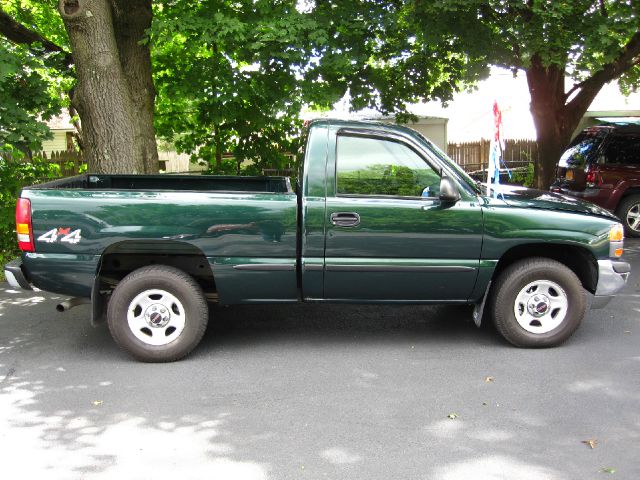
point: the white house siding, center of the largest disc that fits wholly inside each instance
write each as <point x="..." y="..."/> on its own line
<point x="57" y="143"/>
<point x="177" y="162"/>
<point x="434" y="128"/>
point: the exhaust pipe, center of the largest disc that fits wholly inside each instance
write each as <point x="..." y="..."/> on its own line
<point x="70" y="303"/>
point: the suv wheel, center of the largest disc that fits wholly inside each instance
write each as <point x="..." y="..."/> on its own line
<point x="629" y="213"/>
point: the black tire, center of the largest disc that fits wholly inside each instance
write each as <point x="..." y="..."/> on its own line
<point x="629" y="206"/>
<point x="184" y="309"/>
<point x="552" y="288"/>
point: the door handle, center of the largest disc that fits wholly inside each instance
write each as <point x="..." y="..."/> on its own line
<point x="345" y="219"/>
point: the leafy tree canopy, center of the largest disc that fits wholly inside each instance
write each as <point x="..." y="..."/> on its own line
<point x="227" y="76"/>
<point x="33" y="73"/>
<point x="234" y="76"/>
<point x="590" y="41"/>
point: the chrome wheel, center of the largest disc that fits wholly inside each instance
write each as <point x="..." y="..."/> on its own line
<point x="541" y="306"/>
<point x="633" y="217"/>
<point x="156" y="317"/>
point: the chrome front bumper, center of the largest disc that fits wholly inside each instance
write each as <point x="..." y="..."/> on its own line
<point x="612" y="278"/>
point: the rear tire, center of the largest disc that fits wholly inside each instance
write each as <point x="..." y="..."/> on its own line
<point x="157" y="314"/>
<point x="537" y="303"/>
<point x="629" y="214"/>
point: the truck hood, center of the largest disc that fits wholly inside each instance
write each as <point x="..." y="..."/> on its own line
<point x="523" y="197"/>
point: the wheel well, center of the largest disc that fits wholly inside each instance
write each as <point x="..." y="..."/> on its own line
<point x="578" y="259"/>
<point x="120" y="259"/>
<point x="627" y="193"/>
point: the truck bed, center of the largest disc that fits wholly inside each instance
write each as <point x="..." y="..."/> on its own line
<point x="203" y="183"/>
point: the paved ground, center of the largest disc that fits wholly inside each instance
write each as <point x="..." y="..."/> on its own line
<point x="320" y="392"/>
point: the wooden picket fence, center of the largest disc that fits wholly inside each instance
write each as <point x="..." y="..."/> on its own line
<point x="474" y="156"/>
<point x="69" y="161"/>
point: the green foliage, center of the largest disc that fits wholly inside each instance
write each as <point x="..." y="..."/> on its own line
<point x="14" y="175"/>
<point x="41" y="16"/>
<point x="26" y="100"/>
<point x="227" y="76"/>
<point x="525" y="177"/>
<point x="33" y="81"/>
<point x="232" y="77"/>
<point x="375" y="50"/>
<point x="580" y="36"/>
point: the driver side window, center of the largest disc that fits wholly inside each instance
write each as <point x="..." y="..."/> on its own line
<point x="371" y="166"/>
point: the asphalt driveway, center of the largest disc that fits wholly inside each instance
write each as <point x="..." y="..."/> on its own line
<point x="295" y="392"/>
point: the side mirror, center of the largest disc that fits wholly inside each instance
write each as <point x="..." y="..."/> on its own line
<point x="448" y="190"/>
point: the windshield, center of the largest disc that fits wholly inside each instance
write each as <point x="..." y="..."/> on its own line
<point x="582" y="150"/>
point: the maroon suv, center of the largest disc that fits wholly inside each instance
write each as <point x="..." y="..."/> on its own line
<point x="602" y="165"/>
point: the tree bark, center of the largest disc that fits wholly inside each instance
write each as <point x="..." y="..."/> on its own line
<point x="131" y="20"/>
<point x="217" y="140"/>
<point x="553" y="124"/>
<point x="114" y="95"/>
<point x="101" y="96"/>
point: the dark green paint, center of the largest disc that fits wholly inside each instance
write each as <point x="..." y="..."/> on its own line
<point x="67" y="274"/>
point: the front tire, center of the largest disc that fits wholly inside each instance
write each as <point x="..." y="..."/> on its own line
<point x="537" y="303"/>
<point x="629" y="213"/>
<point x="157" y="314"/>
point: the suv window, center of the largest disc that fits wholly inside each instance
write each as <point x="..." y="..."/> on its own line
<point x="372" y="166"/>
<point x="582" y="150"/>
<point x="623" y="149"/>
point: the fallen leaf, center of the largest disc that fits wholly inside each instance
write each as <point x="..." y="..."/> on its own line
<point x="608" y="470"/>
<point x="592" y="442"/>
<point x="452" y="416"/>
<point x="489" y="379"/>
<point x="97" y="402"/>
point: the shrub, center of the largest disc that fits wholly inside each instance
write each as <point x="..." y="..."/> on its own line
<point x="525" y="178"/>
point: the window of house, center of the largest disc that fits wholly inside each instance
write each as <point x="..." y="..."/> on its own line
<point x="371" y="166"/>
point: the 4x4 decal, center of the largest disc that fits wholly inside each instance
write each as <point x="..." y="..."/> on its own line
<point x="61" y="234"/>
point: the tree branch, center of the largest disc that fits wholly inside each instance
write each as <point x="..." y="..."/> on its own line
<point x="591" y="86"/>
<point x="18" y="33"/>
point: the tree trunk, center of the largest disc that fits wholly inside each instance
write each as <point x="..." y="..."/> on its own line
<point x="115" y="125"/>
<point x="217" y="140"/>
<point x="555" y="117"/>
<point x="131" y="20"/>
<point x="546" y="86"/>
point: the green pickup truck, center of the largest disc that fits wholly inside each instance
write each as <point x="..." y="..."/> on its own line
<point x="380" y="215"/>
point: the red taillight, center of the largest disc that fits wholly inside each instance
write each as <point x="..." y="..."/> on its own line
<point x="23" y="225"/>
<point x="592" y="178"/>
